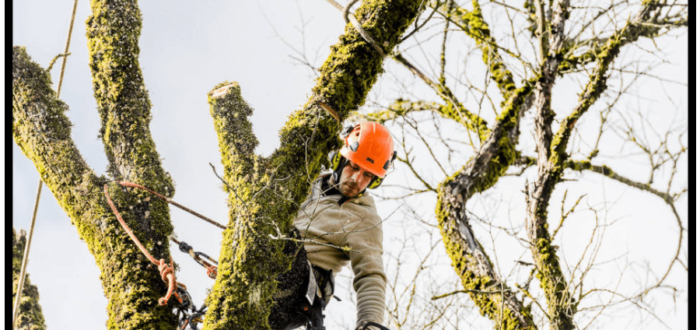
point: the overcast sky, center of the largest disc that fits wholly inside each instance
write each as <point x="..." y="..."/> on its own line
<point x="188" y="47"/>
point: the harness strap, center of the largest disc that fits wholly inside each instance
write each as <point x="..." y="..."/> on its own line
<point x="325" y="283"/>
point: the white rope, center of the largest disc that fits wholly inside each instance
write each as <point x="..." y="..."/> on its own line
<point x="25" y="258"/>
<point x="350" y="18"/>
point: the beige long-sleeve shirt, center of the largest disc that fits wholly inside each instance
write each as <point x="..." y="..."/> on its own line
<point x="348" y="233"/>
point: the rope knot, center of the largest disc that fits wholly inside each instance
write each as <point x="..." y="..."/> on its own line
<point x="167" y="274"/>
<point x="165" y="269"/>
<point x="212" y="272"/>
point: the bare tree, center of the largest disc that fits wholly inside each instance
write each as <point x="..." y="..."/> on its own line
<point x="541" y="46"/>
<point x="578" y="41"/>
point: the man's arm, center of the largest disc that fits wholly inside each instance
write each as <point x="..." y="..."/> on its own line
<point x="367" y="264"/>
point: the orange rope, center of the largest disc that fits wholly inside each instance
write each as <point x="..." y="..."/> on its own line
<point x="166" y="271"/>
<point x="212" y="272"/>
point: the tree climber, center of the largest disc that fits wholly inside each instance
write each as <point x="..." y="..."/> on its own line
<point x="339" y="225"/>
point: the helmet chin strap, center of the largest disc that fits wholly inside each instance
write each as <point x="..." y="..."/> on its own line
<point x="339" y="171"/>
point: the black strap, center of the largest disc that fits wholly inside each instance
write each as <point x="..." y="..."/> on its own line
<point x="324" y="278"/>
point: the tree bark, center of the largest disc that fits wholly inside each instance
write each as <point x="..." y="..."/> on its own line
<point x="471" y="263"/>
<point x="29" y="316"/>
<point x="552" y="159"/>
<point x="265" y="194"/>
<point x="130" y="282"/>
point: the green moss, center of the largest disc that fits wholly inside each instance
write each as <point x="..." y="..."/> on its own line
<point x="561" y="304"/>
<point x="595" y="87"/>
<point x="473" y="23"/>
<point x="113" y="32"/>
<point x="29" y="315"/>
<point x="42" y="131"/>
<point x="466" y="265"/>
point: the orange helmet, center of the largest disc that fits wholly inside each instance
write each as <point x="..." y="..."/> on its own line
<point x="370" y="146"/>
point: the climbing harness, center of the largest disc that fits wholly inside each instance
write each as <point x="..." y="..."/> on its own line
<point x="25" y="259"/>
<point x="190" y="314"/>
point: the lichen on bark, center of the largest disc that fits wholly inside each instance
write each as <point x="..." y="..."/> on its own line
<point x="42" y="131"/>
<point x="113" y="32"/>
<point x="29" y="315"/>
<point x="552" y="160"/>
<point x="492" y="296"/>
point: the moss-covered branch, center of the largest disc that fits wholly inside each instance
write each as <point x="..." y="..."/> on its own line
<point x="29" y="316"/>
<point x="551" y="164"/>
<point x="454" y="109"/>
<point x="658" y="27"/>
<point x="113" y="32"/>
<point x="469" y="260"/>
<point x="473" y="24"/>
<point x="608" y="172"/>
<point x="250" y="259"/>
<point x="42" y="131"/>
<point x="402" y="107"/>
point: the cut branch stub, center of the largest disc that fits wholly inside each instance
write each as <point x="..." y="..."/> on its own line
<point x="42" y="131"/>
<point x="237" y="141"/>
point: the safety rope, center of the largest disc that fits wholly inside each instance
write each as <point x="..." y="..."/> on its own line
<point x="134" y="185"/>
<point x="25" y="259"/>
<point x="166" y="271"/>
<point x="350" y="18"/>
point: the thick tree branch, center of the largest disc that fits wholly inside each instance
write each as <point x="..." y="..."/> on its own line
<point x="251" y="260"/>
<point x="42" y="131"/>
<point x="469" y="260"/>
<point x="551" y="162"/>
<point x="113" y="32"/>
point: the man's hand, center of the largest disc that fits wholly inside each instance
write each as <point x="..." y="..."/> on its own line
<point x="373" y="326"/>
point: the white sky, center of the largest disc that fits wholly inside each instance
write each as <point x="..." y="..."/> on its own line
<point x="186" y="49"/>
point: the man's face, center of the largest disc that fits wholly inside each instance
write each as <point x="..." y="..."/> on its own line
<point x="354" y="180"/>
